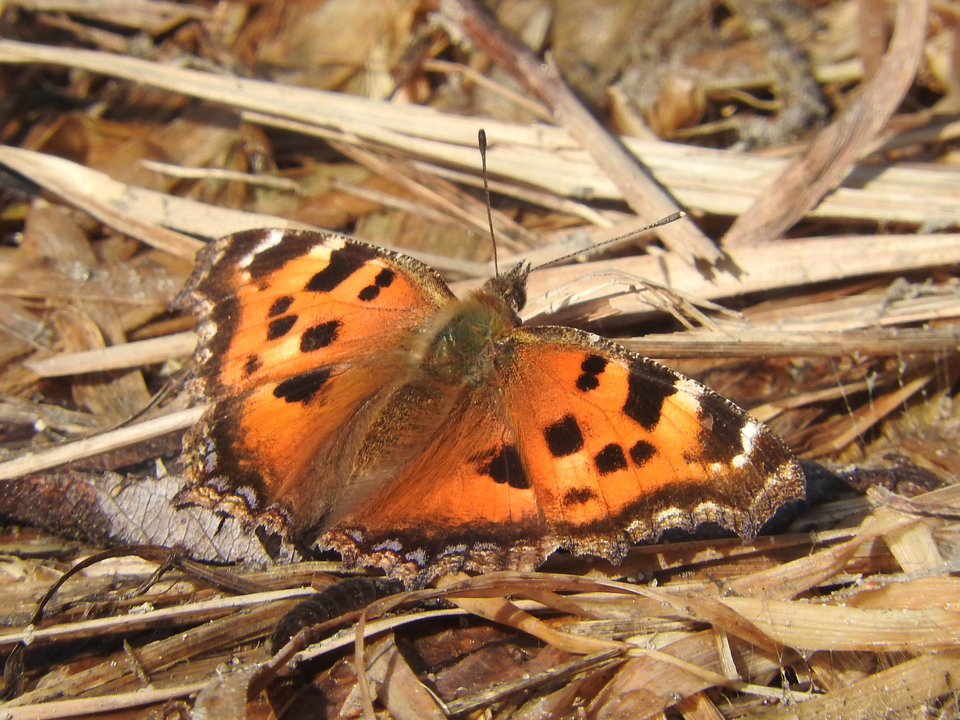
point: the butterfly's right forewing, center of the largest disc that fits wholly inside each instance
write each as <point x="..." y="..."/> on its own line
<point x="619" y="448"/>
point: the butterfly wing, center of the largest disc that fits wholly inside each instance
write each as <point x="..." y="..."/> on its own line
<point x="352" y="395"/>
<point x="462" y="502"/>
<point x="579" y="444"/>
<point x="298" y="330"/>
<point x="619" y="448"/>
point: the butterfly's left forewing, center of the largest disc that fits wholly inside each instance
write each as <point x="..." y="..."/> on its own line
<point x="274" y="304"/>
<point x="297" y="331"/>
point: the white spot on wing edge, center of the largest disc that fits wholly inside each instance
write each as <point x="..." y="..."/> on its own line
<point x="329" y="243"/>
<point x="748" y="433"/>
<point x="689" y="395"/>
<point x="689" y="386"/>
<point x="249" y="496"/>
<point x="394" y="546"/>
<point x="271" y="239"/>
<point x="748" y="436"/>
<point x="418" y="557"/>
<point x="458" y="549"/>
<point x="707" y="509"/>
<point x="669" y="516"/>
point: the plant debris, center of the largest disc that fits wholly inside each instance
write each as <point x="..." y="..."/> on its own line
<point x="813" y="281"/>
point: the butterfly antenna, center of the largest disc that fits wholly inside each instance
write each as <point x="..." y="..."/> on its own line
<point x="482" y="142"/>
<point x="662" y="221"/>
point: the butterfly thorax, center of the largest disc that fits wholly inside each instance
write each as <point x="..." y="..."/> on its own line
<point x="465" y="349"/>
<point x="475" y="332"/>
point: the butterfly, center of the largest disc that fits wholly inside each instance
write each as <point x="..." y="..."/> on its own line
<point x="355" y="404"/>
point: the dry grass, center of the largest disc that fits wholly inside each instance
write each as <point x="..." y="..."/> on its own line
<point x="134" y="132"/>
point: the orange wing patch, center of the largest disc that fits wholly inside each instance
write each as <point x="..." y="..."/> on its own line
<point x="279" y="304"/>
<point x="284" y="316"/>
<point x="620" y="448"/>
<point x="474" y="509"/>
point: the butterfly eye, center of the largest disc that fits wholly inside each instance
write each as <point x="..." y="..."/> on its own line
<point x="518" y="299"/>
<point x="511" y="287"/>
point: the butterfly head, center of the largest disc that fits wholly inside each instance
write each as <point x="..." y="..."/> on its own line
<point x="511" y="286"/>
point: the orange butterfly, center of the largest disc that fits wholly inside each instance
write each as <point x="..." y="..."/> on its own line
<point x="357" y="405"/>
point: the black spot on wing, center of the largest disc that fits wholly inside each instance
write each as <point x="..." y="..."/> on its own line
<point x="642" y="452"/>
<point x="319" y="336"/>
<point x="592" y="367"/>
<point x="578" y="496"/>
<point x="343" y="263"/>
<point x="648" y="386"/>
<point x="281" y="326"/>
<point x="301" y="388"/>
<point x="505" y="467"/>
<point x="610" y="460"/>
<point x="252" y="364"/>
<point x="594" y="364"/>
<point x="564" y="437"/>
<point x="280" y="306"/>
<point x="384" y="279"/>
